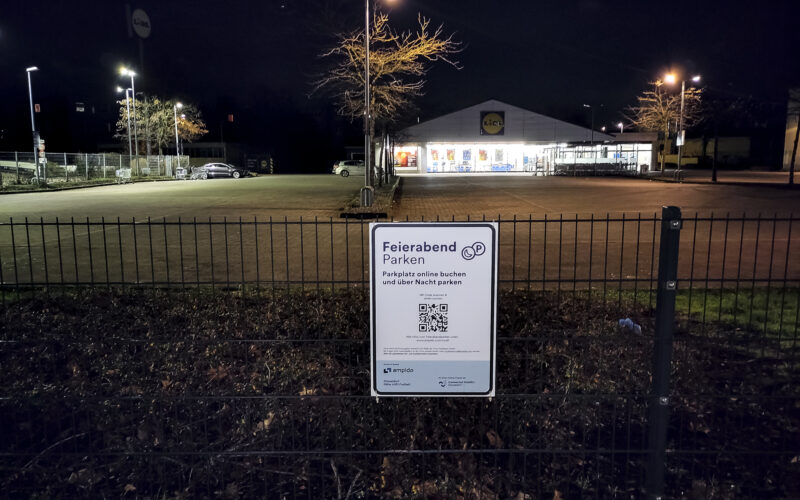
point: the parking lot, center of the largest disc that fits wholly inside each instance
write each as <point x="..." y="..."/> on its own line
<point x="509" y="196"/>
<point x="323" y="196"/>
<point x="277" y="196"/>
<point x="589" y="229"/>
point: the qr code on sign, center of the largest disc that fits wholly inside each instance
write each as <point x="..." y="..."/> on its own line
<point x="433" y="317"/>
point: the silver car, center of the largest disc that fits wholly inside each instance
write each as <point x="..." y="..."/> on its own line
<point x="345" y="168"/>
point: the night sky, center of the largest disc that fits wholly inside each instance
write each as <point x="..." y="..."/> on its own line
<point x="256" y="60"/>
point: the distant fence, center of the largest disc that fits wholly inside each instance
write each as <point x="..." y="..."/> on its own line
<point x="703" y="403"/>
<point x="19" y="167"/>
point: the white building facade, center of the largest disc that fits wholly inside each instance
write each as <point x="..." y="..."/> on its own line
<point x="495" y="137"/>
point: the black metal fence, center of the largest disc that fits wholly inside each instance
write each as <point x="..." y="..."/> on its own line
<point x="254" y="382"/>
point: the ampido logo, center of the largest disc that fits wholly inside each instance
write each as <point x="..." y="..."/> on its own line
<point x="398" y="370"/>
<point x="474" y="250"/>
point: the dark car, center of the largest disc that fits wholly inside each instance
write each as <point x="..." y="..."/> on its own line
<point x="212" y="170"/>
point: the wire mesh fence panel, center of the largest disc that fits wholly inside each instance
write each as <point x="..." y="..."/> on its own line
<point x="254" y="380"/>
<point x="61" y="168"/>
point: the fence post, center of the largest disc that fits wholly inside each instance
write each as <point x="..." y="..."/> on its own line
<point x="16" y="162"/>
<point x="104" y="165"/>
<point x="86" y="166"/>
<point x="658" y="412"/>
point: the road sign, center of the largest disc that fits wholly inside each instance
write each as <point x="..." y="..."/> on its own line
<point x="141" y="23"/>
<point x="433" y="296"/>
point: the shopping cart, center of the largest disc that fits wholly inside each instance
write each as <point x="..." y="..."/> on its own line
<point x="123" y="175"/>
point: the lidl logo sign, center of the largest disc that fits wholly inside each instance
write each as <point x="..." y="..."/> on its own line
<point x="493" y="122"/>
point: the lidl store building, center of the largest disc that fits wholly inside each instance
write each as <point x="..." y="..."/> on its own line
<point x="495" y="137"/>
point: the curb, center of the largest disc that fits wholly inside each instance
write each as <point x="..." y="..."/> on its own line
<point x="70" y="188"/>
<point x="725" y="183"/>
<point x="391" y="195"/>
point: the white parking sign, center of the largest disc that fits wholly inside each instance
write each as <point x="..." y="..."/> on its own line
<point x="433" y="308"/>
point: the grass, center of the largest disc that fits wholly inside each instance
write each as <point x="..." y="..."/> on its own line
<point x="772" y="313"/>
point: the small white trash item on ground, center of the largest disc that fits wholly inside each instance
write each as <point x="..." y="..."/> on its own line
<point x="628" y="324"/>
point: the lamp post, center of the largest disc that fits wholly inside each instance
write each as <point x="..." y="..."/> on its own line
<point x="128" y="104"/>
<point x="367" y="190"/>
<point x="127" y="72"/>
<point x="670" y="78"/>
<point x="183" y="117"/>
<point x="146" y="112"/>
<point x="591" y="136"/>
<point x="620" y="125"/>
<point x="177" y="150"/>
<point x="30" y="70"/>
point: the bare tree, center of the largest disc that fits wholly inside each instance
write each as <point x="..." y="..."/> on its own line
<point x="657" y="108"/>
<point x="398" y="62"/>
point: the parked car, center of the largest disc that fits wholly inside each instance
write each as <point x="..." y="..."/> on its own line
<point x="212" y="170"/>
<point x="345" y="168"/>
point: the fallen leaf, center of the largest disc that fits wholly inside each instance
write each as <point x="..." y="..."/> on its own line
<point x="494" y="439"/>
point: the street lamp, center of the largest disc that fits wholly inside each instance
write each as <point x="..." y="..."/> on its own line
<point x="367" y="190"/>
<point x="671" y="78"/>
<point x="128" y="104"/>
<point x="603" y="128"/>
<point x="42" y="176"/>
<point x="128" y="72"/>
<point x="620" y="125"/>
<point x="175" y="112"/>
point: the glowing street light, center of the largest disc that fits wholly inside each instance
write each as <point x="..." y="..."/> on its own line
<point x="128" y="104"/>
<point x="129" y="72"/>
<point x="670" y="78"/>
<point x="175" y="112"/>
<point x="43" y="177"/>
<point x="620" y="125"/>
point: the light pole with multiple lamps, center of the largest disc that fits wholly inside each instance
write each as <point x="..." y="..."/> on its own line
<point x="128" y="72"/>
<point x="41" y="175"/>
<point x="128" y="104"/>
<point x="670" y="78"/>
<point x="177" y="148"/>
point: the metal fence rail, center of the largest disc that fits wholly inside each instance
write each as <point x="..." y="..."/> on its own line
<point x="19" y="167"/>
<point x="583" y="408"/>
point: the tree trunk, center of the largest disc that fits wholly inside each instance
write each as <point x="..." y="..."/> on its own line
<point x="794" y="151"/>
<point x="371" y="162"/>
<point x="714" y="159"/>
<point x="716" y="148"/>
